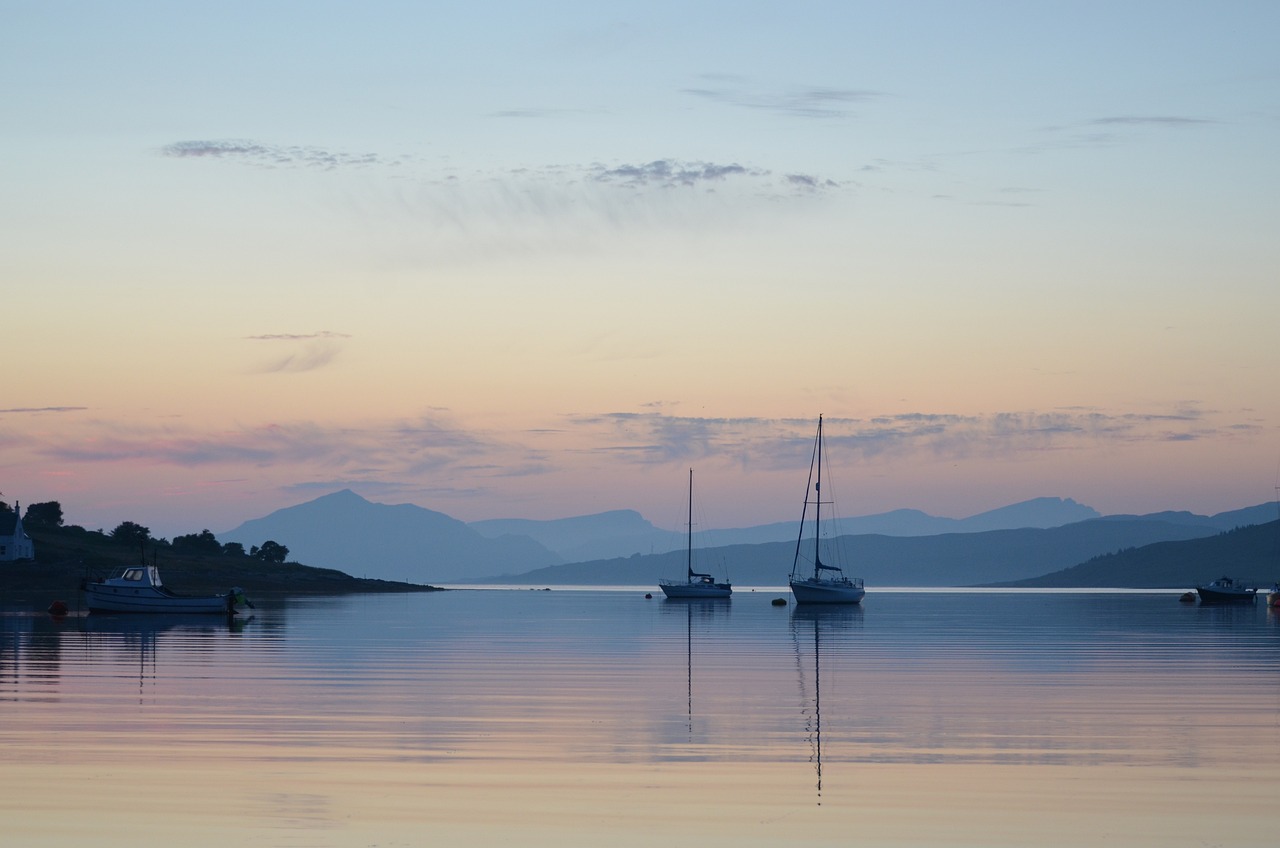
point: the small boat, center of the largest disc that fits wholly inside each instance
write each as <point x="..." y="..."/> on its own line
<point x="1224" y="590"/>
<point x="828" y="583"/>
<point x="1273" y="596"/>
<point x="137" y="588"/>
<point x="695" y="585"/>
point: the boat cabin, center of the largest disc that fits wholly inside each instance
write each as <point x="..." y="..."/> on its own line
<point x="135" y="577"/>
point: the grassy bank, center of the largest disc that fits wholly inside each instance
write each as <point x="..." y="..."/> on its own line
<point x="67" y="555"/>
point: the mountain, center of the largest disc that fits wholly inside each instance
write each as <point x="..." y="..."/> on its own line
<point x="949" y="559"/>
<point x="389" y="542"/>
<point x="1249" y="553"/>
<point x="624" y="532"/>
<point x="620" y="532"/>
<point x="903" y="548"/>
<point x="1260" y="514"/>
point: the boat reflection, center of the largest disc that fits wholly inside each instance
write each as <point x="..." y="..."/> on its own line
<point x="812" y="625"/>
<point x="178" y="634"/>
<point x="703" y="609"/>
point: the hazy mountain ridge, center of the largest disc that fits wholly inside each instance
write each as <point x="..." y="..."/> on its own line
<point x="904" y="547"/>
<point x="949" y="559"/>
<point x="619" y="532"/>
<point x="623" y="533"/>
<point x="364" y="539"/>
<point x="1248" y="553"/>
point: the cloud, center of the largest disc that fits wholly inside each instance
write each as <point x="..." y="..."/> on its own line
<point x="1174" y="121"/>
<point x="810" y="183"/>
<point x="670" y="173"/>
<point x="262" y="155"/>
<point x="323" y="334"/>
<point x="319" y="350"/>
<point x="39" y="409"/>
<point x="391" y="449"/>
<point x="800" y="102"/>
<point x="1109" y="130"/>
<point x="540" y="113"/>
<point x="655" y="438"/>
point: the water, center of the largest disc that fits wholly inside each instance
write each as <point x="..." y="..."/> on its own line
<point x="571" y="718"/>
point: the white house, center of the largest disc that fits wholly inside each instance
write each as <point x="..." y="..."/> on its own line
<point x="15" y="544"/>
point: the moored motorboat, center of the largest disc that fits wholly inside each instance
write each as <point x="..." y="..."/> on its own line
<point x="695" y="585"/>
<point x="1273" y="596"/>
<point x="1225" y="590"/>
<point x="138" y="588"/>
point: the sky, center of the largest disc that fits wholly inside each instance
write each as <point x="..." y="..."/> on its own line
<point x="516" y="260"/>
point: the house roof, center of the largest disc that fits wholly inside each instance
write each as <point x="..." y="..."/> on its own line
<point x="8" y="520"/>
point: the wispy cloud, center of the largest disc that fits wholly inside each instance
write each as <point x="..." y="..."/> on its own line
<point x="318" y="350"/>
<point x="659" y="438"/>
<point x="670" y="173"/>
<point x="434" y="456"/>
<point x="1173" y="121"/>
<point x="796" y="101"/>
<point x="17" y="410"/>
<point x="1111" y="130"/>
<point x="810" y="183"/>
<point x="390" y="449"/>
<point x="542" y="113"/>
<point x="263" y="155"/>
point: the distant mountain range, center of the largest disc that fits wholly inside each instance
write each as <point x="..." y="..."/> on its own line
<point x="901" y="548"/>
<point x="1250" y="554"/>
<point x="363" y="539"/>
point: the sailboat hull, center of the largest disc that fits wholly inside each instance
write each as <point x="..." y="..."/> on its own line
<point x="818" y="591"/>
<point x="695" y="590"/>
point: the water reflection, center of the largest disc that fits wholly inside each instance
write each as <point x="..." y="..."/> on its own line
<point x="35" y="648"/>
<point x="552" y="718"/>
<point x="809" y="627"/>
<point x="704" y="610"/>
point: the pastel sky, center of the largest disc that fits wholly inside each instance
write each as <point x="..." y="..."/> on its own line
<point x="536" y="260"/>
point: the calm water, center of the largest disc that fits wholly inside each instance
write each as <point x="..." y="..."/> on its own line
<point x="593" y="718"/>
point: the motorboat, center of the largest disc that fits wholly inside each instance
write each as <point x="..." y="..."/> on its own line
<point x="1273" y="596"/>
<point x="695" y="586"/>
<point x="138" y="588"/>
<point x="827" y="583"/>
<point x="1225" y="590"/>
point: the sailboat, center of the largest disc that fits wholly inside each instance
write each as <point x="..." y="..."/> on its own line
<point x="828" y="583"/>
<point x="694" y="585"/>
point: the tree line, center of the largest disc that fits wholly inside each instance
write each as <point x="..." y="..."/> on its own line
<point x="49" y="514"/>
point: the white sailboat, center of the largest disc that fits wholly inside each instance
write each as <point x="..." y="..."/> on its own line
<point x="695" y="585"/>
<point x="828" y="583"/>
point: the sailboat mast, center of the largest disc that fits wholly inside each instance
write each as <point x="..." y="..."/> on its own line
<point x="817" y="507"/>
<point x="688" y="564"/>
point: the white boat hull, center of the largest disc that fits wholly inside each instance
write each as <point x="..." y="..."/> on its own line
<point x="694" y="591"/>
<point x="100" y="598"/>
<point x="138" y="588"/>
<point x="818" y="591"/>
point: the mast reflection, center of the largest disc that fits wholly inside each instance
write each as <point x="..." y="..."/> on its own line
<point x="820" y="623"/>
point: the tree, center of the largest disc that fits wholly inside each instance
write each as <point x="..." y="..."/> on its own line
<point x="203" y="542"/>
<point x="48" y="514"/>
<point x="129" y="533"/>
<point x="233" y="549"/>
<point x="269" y="552"/>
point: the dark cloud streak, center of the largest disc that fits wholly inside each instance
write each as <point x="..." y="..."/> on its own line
<point x="802" y="102"/>
<point x="269" y="155"/>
